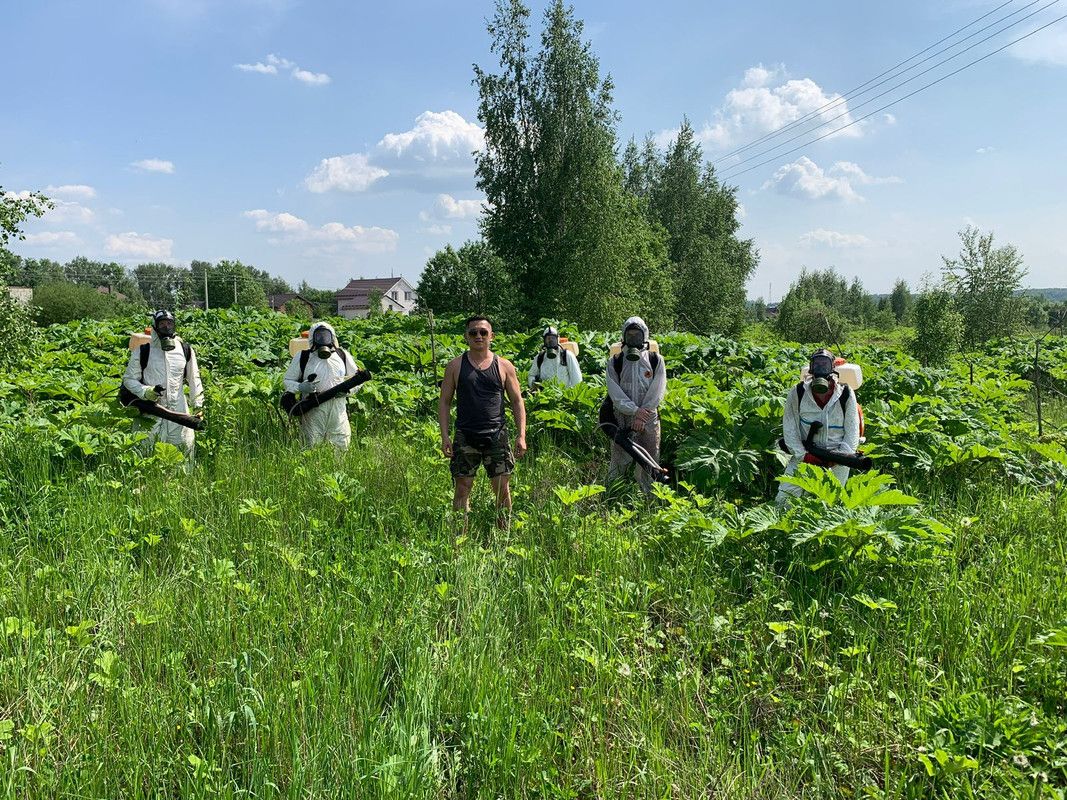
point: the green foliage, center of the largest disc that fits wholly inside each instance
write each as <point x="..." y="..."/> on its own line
<point x="575" y="241"/>
<point x="471" y="280"/>
<point x="231" y="284"/>
<point x="938" y="327"/>
<point x="819" y="307"/>
<point x="900" y="301"/>
<point x="709" y="263"/>
<point x="66" y="302"/>
<point x="17" y="332"/>
<point x="16" y="209"/>
<point x="985" y="281"/>
<point x="326" y="596"/>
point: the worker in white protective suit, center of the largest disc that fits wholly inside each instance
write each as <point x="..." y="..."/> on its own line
<point x="825" y="400"/>
<point x="554" y="363"/>
<point x="324" y="365"/>
<point x="637" y="382"/>
<point x="169" y="365"/>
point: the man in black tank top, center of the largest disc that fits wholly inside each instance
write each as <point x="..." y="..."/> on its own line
<point x="479" y="379"/>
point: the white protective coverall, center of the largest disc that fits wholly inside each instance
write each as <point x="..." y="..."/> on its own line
<point x="553" y="369"/>
<point x="840" y="432"/>
<point x="637" y="386"/>
<point x="328" y="422"/>
<point x="167" y="368"/>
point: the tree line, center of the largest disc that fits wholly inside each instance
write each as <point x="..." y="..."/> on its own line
<point x="976" y="297"/>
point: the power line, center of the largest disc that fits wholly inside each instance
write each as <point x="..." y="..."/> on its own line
<point x="894" y="102"/>
<point x="851" y="92"/>
<point x="891" y="89"/>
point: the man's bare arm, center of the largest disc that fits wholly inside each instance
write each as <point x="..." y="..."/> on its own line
<point x="444" y="405"/>
<point x="518" y="407"/>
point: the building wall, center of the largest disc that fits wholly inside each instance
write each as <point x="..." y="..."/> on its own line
<point x="21" y="294"/>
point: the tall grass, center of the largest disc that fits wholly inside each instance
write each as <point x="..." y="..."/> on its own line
<point x="283" y="623"/>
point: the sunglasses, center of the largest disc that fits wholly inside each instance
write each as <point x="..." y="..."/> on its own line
<point x="478" y="332"/>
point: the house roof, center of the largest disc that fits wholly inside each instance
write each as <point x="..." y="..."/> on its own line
<point x="278" y="300"/>
<point x="368" y="285"/>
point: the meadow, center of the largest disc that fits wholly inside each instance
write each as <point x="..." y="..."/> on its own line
<point x="291" y="623"/>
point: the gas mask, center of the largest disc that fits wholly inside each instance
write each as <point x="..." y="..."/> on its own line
<point x="551" y="343"/>
<point x="821" y="368"/>
<point x="163" y="323"/>
<point x="322" y="342"/>
<point x="633" y="343"/>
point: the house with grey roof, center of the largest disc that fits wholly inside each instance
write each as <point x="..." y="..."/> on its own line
<point x="395" y="294"/>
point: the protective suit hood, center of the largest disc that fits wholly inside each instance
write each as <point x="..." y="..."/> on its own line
<point x="327" y="326"/>
<point x="640" y="323"/>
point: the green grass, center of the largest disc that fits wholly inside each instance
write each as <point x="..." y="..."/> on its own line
<point x="291" y="624"/>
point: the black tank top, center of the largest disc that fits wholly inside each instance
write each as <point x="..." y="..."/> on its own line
<point x="479" y="398"/>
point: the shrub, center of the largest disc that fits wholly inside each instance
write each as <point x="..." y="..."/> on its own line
<point x="66" y="302"/>
<point x="16" y="331"/>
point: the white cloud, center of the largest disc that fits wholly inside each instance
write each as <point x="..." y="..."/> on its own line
<point x="62" y="211"/>
<point x="764" y="102"/>
<point x="265" y="221"/>
<point x="437" y="135"/>
<point x="821" y="236"/>
<point x="1048" y="47"/>
<point x="52" y="238"/>
<point x="357" y="237"/>
<point x="889" y="119"/>
<point x="67" y="211"/>
<point x="262" y="69"/>
<point x="436" y="151"/>
<point x="759" y="75"/>
<point x="311" y="78"/>
<point x="855" y="173"/>
<point x="438" y="230"/>
<point x="275" y="63"/>
<point x="450" y="208"/>
<point x="138" y="245"/>
<point x="985" y="150"/>
<point x="154" y="165"/>
<point x="71" y="190"/>
<point x="351" y="173"/>
<point x="806" y="179"/>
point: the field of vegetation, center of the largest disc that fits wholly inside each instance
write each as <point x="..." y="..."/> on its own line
<point x="283" y="623"/>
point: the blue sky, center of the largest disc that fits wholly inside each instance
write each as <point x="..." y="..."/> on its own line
<point x="328" y="140"/>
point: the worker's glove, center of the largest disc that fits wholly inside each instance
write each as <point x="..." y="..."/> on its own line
<point x="306" y="387"/>
<point x="150" y="394"/>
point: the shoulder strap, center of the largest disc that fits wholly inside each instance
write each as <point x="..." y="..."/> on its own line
<point x="563" y="356"/>
<point x="304" y="356"/>
<point x="540" y="359"/>
<point x="846" y="393"/>
<point x="653" y="359"/>
<point x="187" y="350"/>
<point x="144" y="358"/>
<point x="800" y="393"/>
<point x="616" y="362"/>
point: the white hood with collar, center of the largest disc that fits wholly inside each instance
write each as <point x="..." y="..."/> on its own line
<point x="637" y="385"/>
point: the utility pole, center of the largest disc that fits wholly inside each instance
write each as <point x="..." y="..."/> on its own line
<point x="235" y="290"/>
<point x="207" y="303"/>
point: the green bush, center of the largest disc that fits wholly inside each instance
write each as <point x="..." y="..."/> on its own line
<point x="938" y="328"/>
<point x="812" y="322"/>
<point x="16" y="331"/>
<point x="66" y="302"/>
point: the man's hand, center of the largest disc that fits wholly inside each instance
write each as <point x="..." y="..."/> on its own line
<point x="150" y="394"/>
<point x="641" y="418"/>
<point x="446" y="446"/>
<point x="306" y="387"/>
<point x="520" y="446"/>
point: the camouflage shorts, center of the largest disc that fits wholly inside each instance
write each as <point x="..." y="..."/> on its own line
<point x="494" y="452"/>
